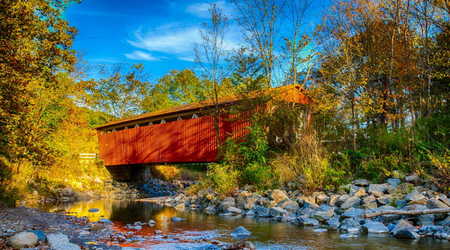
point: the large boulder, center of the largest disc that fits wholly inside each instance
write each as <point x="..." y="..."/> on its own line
<point x="59" y="241"/>
<point x="353" y="201"/>
<point x="234" y="210"/>
<point x="350" y="225"/>
<point x="227" y="202"/>
<point x="277" y="211"/>
<point x="404" y="230"/>
<point x="378" y="189"/>
<point x="375" y="227"/>
<point x="240" y="232"/>
<point x="289" y="205"/>
<point x="353" y="213"/>
<point x="306" y="221"/>
<point x="23" y="240"/>
<point x="278" y="195"/>
<point x="333" y="223"/>
<point x="261" y="211"/>
<point x="323" y="214"/>
<point x="415" y="179"/>
<point x="369" y="202"/>
<point x="416" y="198"/>
<point x="394" y="182"/>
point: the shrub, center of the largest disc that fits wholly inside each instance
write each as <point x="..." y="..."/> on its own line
<point x="165" y="172"/>
<point x="225" y="178"/>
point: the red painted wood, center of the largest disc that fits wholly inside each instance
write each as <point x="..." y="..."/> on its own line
<point x="191" y="140"/>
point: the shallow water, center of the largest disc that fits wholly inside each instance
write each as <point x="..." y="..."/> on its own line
<point x="265" y="234"/>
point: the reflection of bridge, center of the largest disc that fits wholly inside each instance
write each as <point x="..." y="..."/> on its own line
<point x="178" y="135"/>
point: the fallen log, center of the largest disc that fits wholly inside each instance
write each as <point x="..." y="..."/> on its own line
<point x="410" y="212"/>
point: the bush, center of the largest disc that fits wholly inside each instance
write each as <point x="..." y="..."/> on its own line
<point x="165" y="172"/>
<point x="225" y="178"/>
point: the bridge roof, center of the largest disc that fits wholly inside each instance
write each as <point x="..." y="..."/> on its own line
<point x="291" y="93"/>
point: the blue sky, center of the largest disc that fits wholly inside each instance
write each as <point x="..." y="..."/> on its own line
<point x="157" y="33"/>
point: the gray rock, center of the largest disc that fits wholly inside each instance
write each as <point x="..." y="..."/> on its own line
<point x="353" y="213"/>
<point x="406" y="233"/>
<point x="240" y="232"/>
<point x="23" y="239"/>
<point x="59" y="241"/>
<point x="321" y="198"/>
<point x="425" y="219"/>
<point x="402" y="224"/>
<point x="361" y="182"/>
<point x="234" y="210"/>
<point x="341" y="199"/>
<point x="250" y="202"/>
<point x="306" y="221"/>
<point x="333" y="223"/>
<point x="378" y="189"/>
<point x="445" y="222"/>
<point x="210" y="209"/>
<point x="394" y="182"/>
<point x="277" y="211"/>
<point x="350" y="225"/>
<point x="354" y="201"/>
<point x="435" y="203"/>
<point x="384" y="200"/>
<point x="443" y="198"/>
<point x="333" y="200"/>
<point x="320" y="230"/>
<point x="278" y="195"/>
<point x="323" y="214"/>
<point x="416" y="198"/>
<point x="261" y="211"/>
<point x="227" y="202"/>
<point x="289" y="205"/>
<point x="369" y="202"/>
<point x="357" y="191"/>
<point x="348" y="236"/>
<point x="375" y="227"/>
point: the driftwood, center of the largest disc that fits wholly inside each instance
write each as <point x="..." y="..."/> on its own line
<point x="411" y="212"/>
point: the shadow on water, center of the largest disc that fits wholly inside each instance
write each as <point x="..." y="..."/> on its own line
<point x="265" y="234"/>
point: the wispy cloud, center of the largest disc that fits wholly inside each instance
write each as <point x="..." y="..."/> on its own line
<point x="202" y="9"/>
<point x="175" y="40"/>
<point x="140" y="55"/>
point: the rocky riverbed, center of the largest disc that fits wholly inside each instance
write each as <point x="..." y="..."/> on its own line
<point x="415" y="209"/>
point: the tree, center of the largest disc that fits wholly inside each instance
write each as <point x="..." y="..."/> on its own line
<point x="35" y="51"/>
<point x="121" y="93"/>
<point x="176" y="88"/>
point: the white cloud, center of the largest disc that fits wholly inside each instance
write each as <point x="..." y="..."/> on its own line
<point x="202" y="9"/>
<point x="140" y="55"/>
<point x="175" y="40"/>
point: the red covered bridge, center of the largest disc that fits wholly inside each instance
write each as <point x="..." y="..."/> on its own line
<point x="183" y="134"/>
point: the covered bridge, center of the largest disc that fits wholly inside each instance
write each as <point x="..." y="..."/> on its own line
<point x="182" y="134"/>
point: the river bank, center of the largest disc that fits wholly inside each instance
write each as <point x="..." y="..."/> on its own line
<point x="405" y="209"/>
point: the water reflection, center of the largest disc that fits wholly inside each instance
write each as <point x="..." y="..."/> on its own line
<point x="266" y="234"/>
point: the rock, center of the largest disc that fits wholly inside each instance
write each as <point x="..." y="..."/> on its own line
<point x="361" y="182"/>
<point x="416" y="198"/>
<point x="306" y="221"/>
<point x="249" y="202"/>
<point x="323" y="214"/>
<point x="402" y="224"/>
<point x="384" y="200"/>
<point x="443" y="198"/>
<point x="240" y="232"/>
<point x="425" y="219"/>
<point x="375" y="227"/>
<point x="227" y="202"/>
<point x="333" y="223"/>
<point x="23" y="239"/>
<point x="93" y="210"/>
<point x="210" y="209"/>
<point x="354" y="201"/>
<point x="435" y="203"/>
<point x="105" y="221"/>
<point x="406" y="233"/>
<point x="278" y="195"/>
<point x="151" y="223"/>
<point x="234" y="210"/>
<point x="415" y="179"/>
<point x="350" y="225"/>
<point x="369" y="202"/>
<point x="277" y="211"/>
<point x="348" y="236"/>
<point x="289" y="205"/>
<point x="40" y="234"/>
<point x="333" y="199"/>
<point x="341" y="199"/>
<point x="378" y="189"/>
<point x="394" y="182"/>
<point x="353" y="212"/>
<point x="59" y="241"/>
<point x="261" y="211"/>
<point x="177" y="219"/>
<point x="445" y="222"/>
<point x="321" y="198"/>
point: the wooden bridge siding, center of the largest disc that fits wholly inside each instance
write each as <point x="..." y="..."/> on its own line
<point x="191" y="140"/>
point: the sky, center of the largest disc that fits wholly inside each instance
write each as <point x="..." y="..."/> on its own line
<point x="160" y="34"/>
